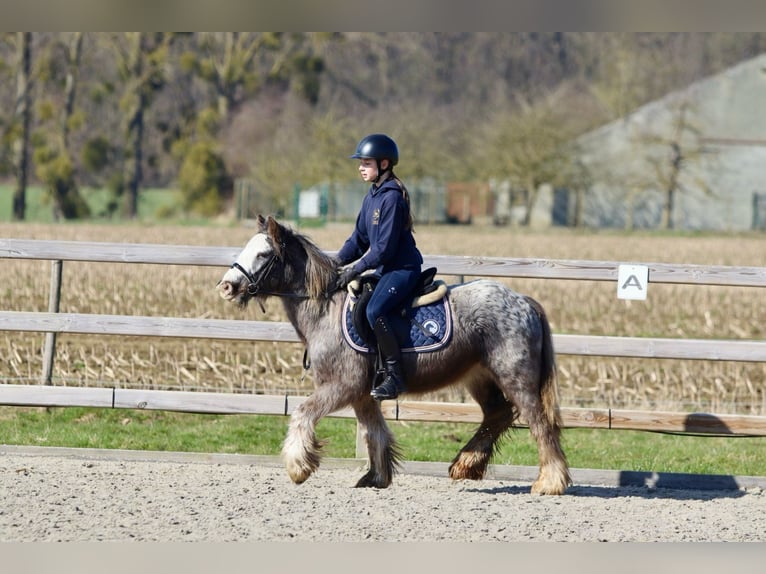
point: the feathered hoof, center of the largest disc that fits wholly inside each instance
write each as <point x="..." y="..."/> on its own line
<point x="468" y="467"/>
<point x="373" y="480"/>
<point x="550" y="486"/>
<point x="544" y="490"/>
<point x="297" y="472"/>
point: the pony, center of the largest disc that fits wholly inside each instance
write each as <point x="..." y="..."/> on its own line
<point x="501" y="350"/>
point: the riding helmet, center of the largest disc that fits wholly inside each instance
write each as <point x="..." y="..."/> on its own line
<point x="378" y="147"/>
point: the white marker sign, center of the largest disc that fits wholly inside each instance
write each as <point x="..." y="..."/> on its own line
<point x="632" y="281"/>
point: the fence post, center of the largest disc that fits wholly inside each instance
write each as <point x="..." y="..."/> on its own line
<point x="361" y="446"/>
<point x="54" y="298"/>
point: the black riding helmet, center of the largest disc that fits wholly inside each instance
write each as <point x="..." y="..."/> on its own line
<point x="377" y="147"/>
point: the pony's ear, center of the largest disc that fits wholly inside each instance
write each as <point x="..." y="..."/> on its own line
<point x="260" y="222"/>
<point x="275" y="232"/>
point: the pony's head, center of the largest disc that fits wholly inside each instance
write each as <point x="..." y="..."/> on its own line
<point x="277" y="261"/>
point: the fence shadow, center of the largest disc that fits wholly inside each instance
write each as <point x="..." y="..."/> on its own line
<point x="695" y="424"/>
<point x="681" y="491"/>
<point x="632" y="488"/>
<point x="707" y="486"/>
<point x="664" y="484"/>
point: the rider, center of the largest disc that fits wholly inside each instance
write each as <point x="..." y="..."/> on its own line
<point x="383" y="240"/>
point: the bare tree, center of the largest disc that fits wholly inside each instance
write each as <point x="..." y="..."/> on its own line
<point x="675" y="150"/>
<point x="74" y="55"/>
<point x="23" y="118"/>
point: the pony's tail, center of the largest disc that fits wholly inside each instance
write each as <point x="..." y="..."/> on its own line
<point x="554" y="470"/>
<point x="548" y="374"/>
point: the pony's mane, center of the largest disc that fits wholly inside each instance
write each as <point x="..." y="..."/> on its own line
<point x="320" y="268"/>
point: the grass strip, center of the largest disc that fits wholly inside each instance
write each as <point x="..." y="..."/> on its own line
<point x="437" y="442"/>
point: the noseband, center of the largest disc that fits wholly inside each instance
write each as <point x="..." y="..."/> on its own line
<point x="254" y="283"/>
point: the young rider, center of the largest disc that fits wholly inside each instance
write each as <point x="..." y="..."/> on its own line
<point x="383" y="240"/>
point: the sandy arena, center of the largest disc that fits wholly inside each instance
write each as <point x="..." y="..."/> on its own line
<point x="89" y="496"/>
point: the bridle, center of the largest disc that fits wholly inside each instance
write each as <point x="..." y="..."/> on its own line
<point x="254" y="281"/>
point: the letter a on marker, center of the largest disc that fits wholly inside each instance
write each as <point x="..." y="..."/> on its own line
<point x="632" y="281"/>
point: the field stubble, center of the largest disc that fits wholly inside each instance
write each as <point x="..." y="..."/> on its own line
<point x="577" y="307"/>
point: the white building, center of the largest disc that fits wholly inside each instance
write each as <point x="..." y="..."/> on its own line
<point x="718" y="128"/>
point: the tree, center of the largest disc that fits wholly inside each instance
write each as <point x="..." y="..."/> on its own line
<point x="443" y="95"/>
<point x="141" y="60"/>
<point x="22" y="122"/>
<point x="239" y="66"/>
<point x="672" y="152"/>
<point x="228" y="61"/>
<point x="634" y="68"/>
<point x="203" y="178"/>
<point x="54" y="164"/>
<point x="230" y="65"/>
<point x="530" y="147"/>
<point x="74" y="55"/>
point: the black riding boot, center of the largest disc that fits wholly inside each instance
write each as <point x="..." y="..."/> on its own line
<point x="393" y="385"/>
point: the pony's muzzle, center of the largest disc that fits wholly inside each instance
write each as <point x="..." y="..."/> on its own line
<point x="226" y="290"/>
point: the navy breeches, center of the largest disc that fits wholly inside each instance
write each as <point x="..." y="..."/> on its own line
<point x="391" y="291"/>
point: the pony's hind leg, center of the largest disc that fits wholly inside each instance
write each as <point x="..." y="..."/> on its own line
<point x="537" y="405"/>
<point x="384" y="456"/>
<point x="472" y="460"/>
<point x="554" y="471"/>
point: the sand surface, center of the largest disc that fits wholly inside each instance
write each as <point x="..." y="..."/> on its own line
<point x="52" y="498"/>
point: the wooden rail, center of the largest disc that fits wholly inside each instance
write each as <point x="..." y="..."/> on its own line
<point x="423" y="411"/>
<point x="447" y="264"/>
<point x="53" y="322"/>
<point x="602" y="346"/>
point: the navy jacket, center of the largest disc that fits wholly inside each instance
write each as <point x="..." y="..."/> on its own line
<point x="381" y="238"/>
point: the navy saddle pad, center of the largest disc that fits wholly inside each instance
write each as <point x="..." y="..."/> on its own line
<point x="424" y="329"/>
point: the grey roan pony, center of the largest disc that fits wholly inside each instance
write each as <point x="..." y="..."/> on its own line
<point x="501" y="350"/>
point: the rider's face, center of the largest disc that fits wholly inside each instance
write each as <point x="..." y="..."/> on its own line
<point x="368" y="168"/>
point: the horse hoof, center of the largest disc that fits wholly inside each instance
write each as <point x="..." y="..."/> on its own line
<point x="468" y="466"/>
<point x="465" y="473"/>
<point x="298" y="474"/>
<point x="542" y="490"/>
<point x="372" y="480"/>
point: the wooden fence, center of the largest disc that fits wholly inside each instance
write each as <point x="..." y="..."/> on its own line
<point x="53" y="322"/>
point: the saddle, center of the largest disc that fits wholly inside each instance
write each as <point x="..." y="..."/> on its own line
<point x="427" y="291"/>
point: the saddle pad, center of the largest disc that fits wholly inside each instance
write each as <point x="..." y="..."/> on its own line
<point x="435" y="319"/>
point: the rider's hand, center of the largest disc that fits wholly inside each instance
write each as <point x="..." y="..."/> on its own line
<point x="345" y="276"/>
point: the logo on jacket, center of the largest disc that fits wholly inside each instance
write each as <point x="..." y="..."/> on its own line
<point x="376" y="216"/>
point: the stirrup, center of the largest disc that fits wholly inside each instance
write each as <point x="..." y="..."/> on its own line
<point x="388" y="389"/>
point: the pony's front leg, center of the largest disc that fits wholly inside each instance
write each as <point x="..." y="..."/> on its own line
<point x="301" y="451"/>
